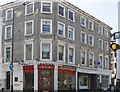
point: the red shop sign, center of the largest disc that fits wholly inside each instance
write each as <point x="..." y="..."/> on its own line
<point x="45" y="67"/>
<point x="66" y="70"/>
<point x="28" y="68"/>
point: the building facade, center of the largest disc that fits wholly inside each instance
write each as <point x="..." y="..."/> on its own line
<point x="57" y="46"/>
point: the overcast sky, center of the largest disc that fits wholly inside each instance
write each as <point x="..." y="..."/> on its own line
<point x="104" y="10"/>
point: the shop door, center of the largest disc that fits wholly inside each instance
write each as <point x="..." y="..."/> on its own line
<point x="45" y="82"/>
<point x="8" y="80"/>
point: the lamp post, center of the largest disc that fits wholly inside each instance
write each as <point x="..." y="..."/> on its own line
<point x="11" y="62"/>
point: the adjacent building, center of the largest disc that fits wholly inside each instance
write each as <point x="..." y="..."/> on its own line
<point x="57" y="46"/>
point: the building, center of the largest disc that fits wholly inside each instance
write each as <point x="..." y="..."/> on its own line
<point x="57" y="46"/>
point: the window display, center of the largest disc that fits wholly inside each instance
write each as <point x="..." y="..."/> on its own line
<point x="83" y="82"/>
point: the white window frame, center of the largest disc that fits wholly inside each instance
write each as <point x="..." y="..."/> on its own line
<point x="92" y="40"/>
<point x="25" y="32"/>
<point x="107" y="32"/>
<point x="46" y="41"/>
<point x="101" y="30"/>
<point x="85" y="37"/>
<point x="26" y="8"/>
<point x="107" y="46"/>
<point x="6" y="46"/>
<point x="73" y="47"/>
<point x="6" y="14"/>
<point x="84" y="21"/>
<point x="60" y="43"/>
<point x="73" y="15"/>
<point x="50" y="25"/>
<point x="6" y="31"/>
<point x="58" y="10"/>
<point x="63" y="29"/>
<point x="27" y="42"/>
<point x="42" y="6"/>
<point x="85" y="57"/>
<point x="73" y="32"/>
<point x="106" y="56"/>
<point x="92" y="25"/>
<point x="93" y="59"/>
<point x="101" y="63"/>
<point x="102" y="44"/>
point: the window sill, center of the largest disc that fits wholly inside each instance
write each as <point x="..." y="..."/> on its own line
<point x="71" y="62"/>
<point x="83" y="26"/>
<point x="71" y="39"/>
<point x="61" y="16"/>
<point x="83" y="43"/>
<point x="91" y="46"/>
<point x="46" y="60"/>
<point x="7" y="39"/>
<point x="46" y="33"/>
<point x="61" y="61"/>
<point x="8" y="19"/>
<point x="46" y="12"/>
<point x="61" y="36"/>
<point x="29" y="14"/>
<point x="28" y="35"/>
<point x="91" y="29"/>
<point x="71" y="20"/>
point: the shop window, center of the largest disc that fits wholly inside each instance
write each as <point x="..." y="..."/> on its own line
<point x="7" y="54"/>
<point x="105" y="81"/>
<point x="8" y="32"/>
<point x="16" y="79"/>
<point x="46" y="7"/>
<point x="29" y="8"/>
<point x="9" y="14"/>
<point x="29" y="27"/>
<point x="61" y="10"/>
<point x="46" y="26"/>
<point x="83" y="82"/>
<point x="61" y="29"/>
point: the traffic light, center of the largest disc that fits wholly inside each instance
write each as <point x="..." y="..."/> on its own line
<point x="114" y="46"/>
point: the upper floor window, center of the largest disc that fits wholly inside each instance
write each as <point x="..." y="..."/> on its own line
<point x="7" y="54"/>
<point x="61" y="29"/>
<point x="61" y="10"/>
<point x="8" y="32"/>
<point x="106" y="32"/>
<point x="100" y="44"/>
<point x="83" y="57"/>
<point x="61" y="53"/>
<point x="91" y="59"/>
<point x="90" y="25"/>
<point x="100" y="30"/>
<point x="71" y="56"/>
<point x="91" y="40"/>
<point x="46" y="26"/>
<point x="106" y="62"/>
<point x="101" y="60"/>
<point x="9" y="14"/>
<point x="71" y="15"/>
<point x="29" y="27"/>
<point x="83" y="21"/>
<point x="28" y="51"/>
<point x="29" y="8"/>
<point x="83" y="37"/>
<point x="46" y="51"/>
<point x="71" y="33"/>
<point x="46" y="7"/>
<point x="106" y="46"/>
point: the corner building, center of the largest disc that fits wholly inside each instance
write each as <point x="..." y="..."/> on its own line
<point x="57" y="46"/>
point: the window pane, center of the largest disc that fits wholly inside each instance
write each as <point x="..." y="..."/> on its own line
<point x="70" y="15"/>
<point x="8" y="30"/>
<point x="29" y="8"/>
<point x="83" y="57"/>
<point x="61" y="52"/>
<point x="61" y="29"/>
<point x="29" y="28"/>
<point x="61" y="10"/>
<point x="45" y="51"/>
<point x="100" y="44"/>
<point x="29" y="52"/>
<point x="46" y="26"/>
<point x="90" y="25"/>
<point x="70" y="55"/>
<point x="100" y="30"/>
<point x="105" y="33"/>
<point x="82" y="37"/>
<point x="90" y="59"/>
<point x="46" y="7"/>
<point x="9" y="14"/>
<point x="8" y="54"/>
<point x="82" y="21"/>
<point x="106" y="63"/>
<point x="100" y="60"/>
<point x="71" y="33"/>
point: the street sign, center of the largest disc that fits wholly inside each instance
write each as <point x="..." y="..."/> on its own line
<point x="116" y="35"/>
<point x="11" y="66"/>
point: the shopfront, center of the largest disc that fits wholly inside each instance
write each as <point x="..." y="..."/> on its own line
<point x="66" y="78"/>
<point x="28" y="78"/>
<point x="45" y="77"/>
<point x="87" y="81"/>
<point x="105" y="82"/>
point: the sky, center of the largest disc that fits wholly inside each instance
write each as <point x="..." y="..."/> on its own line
<point x="104" y="10"/>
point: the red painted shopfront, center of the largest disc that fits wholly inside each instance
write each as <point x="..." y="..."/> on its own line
<point x="45" y="77"/>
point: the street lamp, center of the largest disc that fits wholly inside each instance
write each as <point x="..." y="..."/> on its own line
<point x="11" y="62"/>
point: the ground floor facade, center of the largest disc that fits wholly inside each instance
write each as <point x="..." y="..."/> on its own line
<point x="54" y="76"/>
